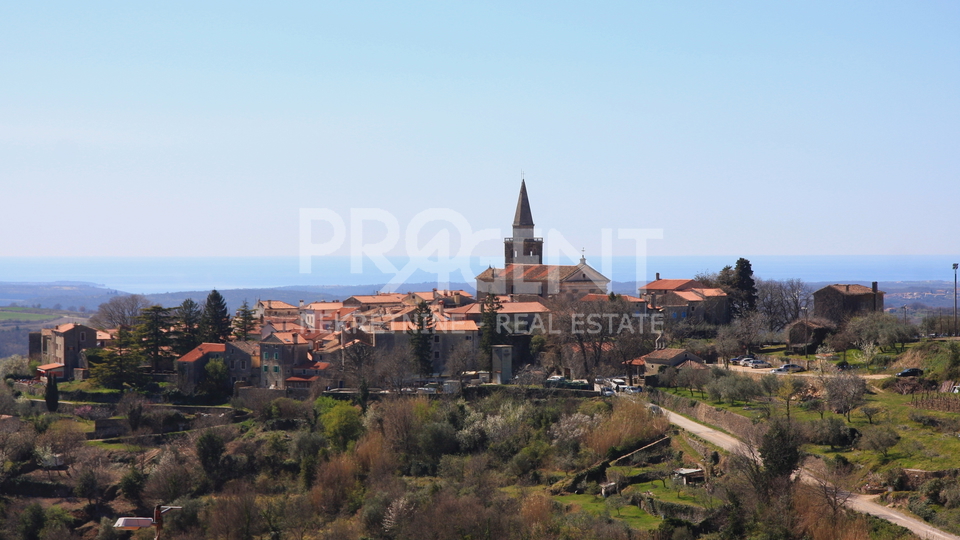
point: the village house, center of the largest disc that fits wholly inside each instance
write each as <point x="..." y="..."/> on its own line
<point x="683" y="299"/>
<point x="664" y="358"/>
<point x="240" y="358"/>
<point x="279" y="352"/>
<point x="838" y="303"/>
<point x="63" y="345"/>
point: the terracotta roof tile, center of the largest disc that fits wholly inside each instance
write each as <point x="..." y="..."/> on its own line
<point x="202" y="350"/>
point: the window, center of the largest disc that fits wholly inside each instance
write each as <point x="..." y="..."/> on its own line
<point x="468" y="338"/>
<point x="436" y="339"/>
<point x="266" y="356"/>
<point x="233" y="365"/>
<point x="276" y="356"/>
<point x="266" y="368"/>
<point x="436" y="354"/>
<point x="276" y="369"/>
<point x="83" y="336"/>
<point x="243" y="365"/>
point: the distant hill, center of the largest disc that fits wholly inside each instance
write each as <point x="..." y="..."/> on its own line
<point x="73" y="296"/>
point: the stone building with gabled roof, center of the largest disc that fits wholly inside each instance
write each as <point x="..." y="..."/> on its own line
<point x="837" y="303"/>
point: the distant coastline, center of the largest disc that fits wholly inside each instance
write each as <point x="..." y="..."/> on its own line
<point x="153" y="275"/>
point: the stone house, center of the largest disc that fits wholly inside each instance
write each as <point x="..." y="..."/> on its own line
<point x="838" y="303"/>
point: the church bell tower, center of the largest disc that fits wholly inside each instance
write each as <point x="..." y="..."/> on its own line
<point x="523" y="247"/>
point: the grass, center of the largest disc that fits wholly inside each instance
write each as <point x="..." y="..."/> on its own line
<point x="596" y="505"/>
<point x="7" y="315"/>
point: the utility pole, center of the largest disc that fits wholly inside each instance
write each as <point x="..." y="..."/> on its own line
<point x="955" y="299"/>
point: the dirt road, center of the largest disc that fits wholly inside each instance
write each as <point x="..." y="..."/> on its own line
<point x="860" y="503"/>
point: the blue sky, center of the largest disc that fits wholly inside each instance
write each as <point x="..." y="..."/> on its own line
<point x="738" y="128"/>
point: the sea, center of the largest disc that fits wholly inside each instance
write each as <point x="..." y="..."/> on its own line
<point x="153" y="275"/>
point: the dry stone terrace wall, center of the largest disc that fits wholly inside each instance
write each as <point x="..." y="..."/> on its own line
<point x="737" y="425"/>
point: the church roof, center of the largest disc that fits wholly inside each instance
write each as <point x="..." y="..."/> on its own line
<point x="523" y="217"/>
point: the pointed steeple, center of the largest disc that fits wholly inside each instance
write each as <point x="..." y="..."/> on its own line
<point x="523" y="217"/>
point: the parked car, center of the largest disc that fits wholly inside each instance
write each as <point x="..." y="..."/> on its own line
<point x="793" y="368"/>
<point x="632" y="389"/>
<point x="911" y="372"/>
<point x="757" y="364"/>
<point x="606" y="391"/>
<point x="780" y="370"/>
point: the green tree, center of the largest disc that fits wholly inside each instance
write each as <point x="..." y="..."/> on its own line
<point x="342" y="424"/>
<point x="243" y="322"/>
<point x="215" y="320"/>
<point x="31" y="522"/>
<point x="421" y="339"/>
<point x="210" y="450"/>
<point x="52" y="395"/>
<point x="154" y="333"/>
<point x="187" y="336"/>
<point x="216" y="378"/>
<point x="118" y="365"/>
<point x="744" y="288"/>
<point x="490" y="332"/>
<point x="780" y="449"/>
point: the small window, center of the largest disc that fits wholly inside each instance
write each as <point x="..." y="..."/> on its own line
<point x="266" y="368"/>
<point x="83" y="336"/>
<point x="436" y="354"/>
<point x="436" y="339"/>
<point x="276" y="356"/>
<point x="468" y="338"/>
<point x="266" y="356"/>
<point x="233" y="365"/>
<point x="243" y="365"/>
<point x="276" y="369"/>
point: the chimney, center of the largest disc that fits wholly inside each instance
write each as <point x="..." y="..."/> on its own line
<point x="874" y="287"/>
<point x="658" y="276"/>
<point x="848" y="287"/>
<point x="301" y="304"/>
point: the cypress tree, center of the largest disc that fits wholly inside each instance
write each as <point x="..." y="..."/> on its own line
<point x="490" y="332"/>
<point x="52" y="394"/>
<point x="421" y="348"/>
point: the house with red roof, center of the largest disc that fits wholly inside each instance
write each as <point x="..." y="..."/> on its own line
<point x="686" y="299"/>
<point x="239" y="357"/>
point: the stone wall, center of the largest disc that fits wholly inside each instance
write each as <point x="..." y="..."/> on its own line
<point x="739" y="426"/>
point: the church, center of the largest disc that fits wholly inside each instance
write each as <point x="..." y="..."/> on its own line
<point x="524" y="273"/>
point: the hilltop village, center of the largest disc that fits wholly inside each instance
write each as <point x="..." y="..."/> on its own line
<point x="716" y="406"/>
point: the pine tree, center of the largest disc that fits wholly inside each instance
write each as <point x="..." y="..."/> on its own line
<point x="745" y="285"/>
<point x="421" y="346"/>
<point x="154" y="335"/>
<point x="52" y="394"/>
<point x="119" y="364"/>
<point x="490" y="331"/>
<point x="215" y="321"/>
<point x="243" y="322"/>
<point x="187" y="336"/>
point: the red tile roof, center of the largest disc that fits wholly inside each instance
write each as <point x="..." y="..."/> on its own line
<point x="663" y="285"/>
<point x="530" y="272"/>
<point x="50" y="367"/>
<point x="202" y="350"/>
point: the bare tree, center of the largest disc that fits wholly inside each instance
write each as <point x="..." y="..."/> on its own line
<point x="463" y="358"/>
<point x="845" y="392"/>
<point x="119" y="311"/>
<point x="394" y="367"/>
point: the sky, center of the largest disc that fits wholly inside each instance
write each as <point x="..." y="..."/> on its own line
<point x="723" y="128"/>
